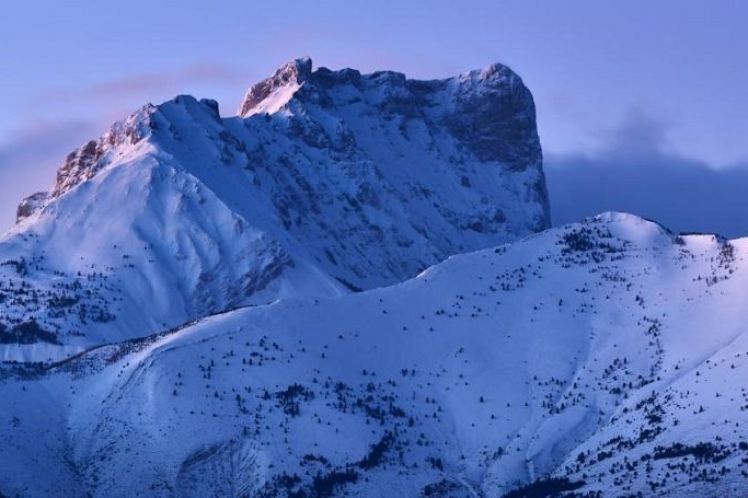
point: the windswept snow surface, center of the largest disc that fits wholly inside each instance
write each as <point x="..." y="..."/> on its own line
<point x="327" y="182"/>
<point x="606" y="356"/>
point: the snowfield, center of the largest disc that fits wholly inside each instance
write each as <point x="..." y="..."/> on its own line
<point x="601" y="357"/>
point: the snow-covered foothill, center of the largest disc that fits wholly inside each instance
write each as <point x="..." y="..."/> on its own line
<point x="599" y="357"/>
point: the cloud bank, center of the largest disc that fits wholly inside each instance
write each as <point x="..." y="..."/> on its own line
<point x="635" y="173"/>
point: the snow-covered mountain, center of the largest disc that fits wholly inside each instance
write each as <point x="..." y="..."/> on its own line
<point x="326" y="182"/>
<point x="185" y="306"/>
<point x="598" y="359"/>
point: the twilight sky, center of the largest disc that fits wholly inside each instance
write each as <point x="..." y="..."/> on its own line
<point x="642" y="106"/>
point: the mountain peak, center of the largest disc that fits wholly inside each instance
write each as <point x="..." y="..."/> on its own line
<point x="358" y="181"/>
<point x="495" y="69"/>
<point x="85" y="162"/>
<point x="266" y="95"/>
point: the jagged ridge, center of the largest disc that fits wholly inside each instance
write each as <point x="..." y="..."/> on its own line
<point x="329" y="182"/>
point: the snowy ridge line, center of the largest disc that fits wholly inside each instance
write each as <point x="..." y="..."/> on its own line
<point x="602" y="358"/>
<point x="138" y="341"/>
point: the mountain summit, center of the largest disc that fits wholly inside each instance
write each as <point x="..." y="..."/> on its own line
<point x="277" y="89"/>
<point x="327" y="182"/>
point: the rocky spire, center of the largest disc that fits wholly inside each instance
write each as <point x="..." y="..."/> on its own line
<point x="288" y="77"/>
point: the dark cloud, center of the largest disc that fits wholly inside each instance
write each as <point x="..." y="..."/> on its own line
<point x="636" y="174"/>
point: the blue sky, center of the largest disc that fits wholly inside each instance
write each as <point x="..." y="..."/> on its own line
<point x="666" y="79"/>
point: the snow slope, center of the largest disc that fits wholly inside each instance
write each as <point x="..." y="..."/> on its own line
<point x="327" y="182"/>
<point x="605" y="356"/>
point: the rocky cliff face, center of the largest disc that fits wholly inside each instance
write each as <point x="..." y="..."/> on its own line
<point x="288" y="77"/>
<point x="83" y="163"/>
<point x="326" y="182"/>
<point x="30" y="205"/>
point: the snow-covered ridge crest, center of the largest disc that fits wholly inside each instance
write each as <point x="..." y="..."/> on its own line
<point x="270" y="94"/>
<point x="83" y="163"/>
<point x="490" y="110"/>
<point x="602" y="358"/>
